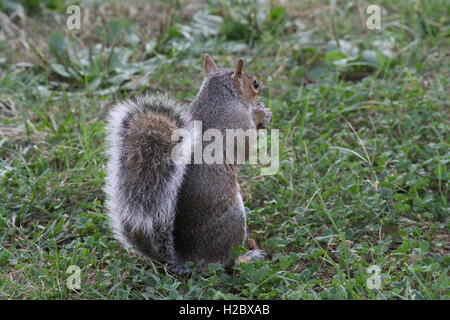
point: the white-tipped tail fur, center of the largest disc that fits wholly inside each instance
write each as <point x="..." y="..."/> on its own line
<point x="140" y="201"/>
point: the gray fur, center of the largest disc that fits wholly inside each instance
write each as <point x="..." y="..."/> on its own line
<point x="210" y="217"/>
<point x="174" y="212"/>
<point x="142" y="181"/>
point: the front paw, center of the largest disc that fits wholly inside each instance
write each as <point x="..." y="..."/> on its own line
<point x="261" y="115"/>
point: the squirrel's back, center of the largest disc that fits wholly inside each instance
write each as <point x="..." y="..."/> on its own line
<point x="142" y="179"/>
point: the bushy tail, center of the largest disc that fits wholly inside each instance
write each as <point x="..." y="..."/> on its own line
<point x="142" y="180"/>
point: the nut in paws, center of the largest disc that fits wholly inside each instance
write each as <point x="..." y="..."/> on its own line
<point x="261" y="116"/>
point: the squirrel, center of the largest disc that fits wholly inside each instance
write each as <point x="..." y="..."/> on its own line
<point x="174" y="212"/>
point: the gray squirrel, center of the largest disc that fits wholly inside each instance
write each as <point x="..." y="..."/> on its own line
<point x="174" y="212"/>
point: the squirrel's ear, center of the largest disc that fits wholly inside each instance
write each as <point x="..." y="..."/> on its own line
<point x="239" y="68"/>
<point x="210" y="65"/>
<point x="237" y="76"/>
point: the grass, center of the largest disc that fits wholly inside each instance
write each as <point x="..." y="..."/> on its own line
<point x="364" y="151"/>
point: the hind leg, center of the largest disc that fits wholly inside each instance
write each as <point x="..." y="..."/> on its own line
<point x="213" y="240"/>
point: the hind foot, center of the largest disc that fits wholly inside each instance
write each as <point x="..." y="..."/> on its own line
<point x="252" y="255"/>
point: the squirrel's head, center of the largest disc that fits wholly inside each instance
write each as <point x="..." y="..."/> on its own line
<point x="247" y="86"/>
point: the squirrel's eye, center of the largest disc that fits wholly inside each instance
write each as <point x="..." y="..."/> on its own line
<point x="256" y="84"/>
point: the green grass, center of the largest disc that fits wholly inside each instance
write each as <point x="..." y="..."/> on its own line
<point x="364" y="147"/>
